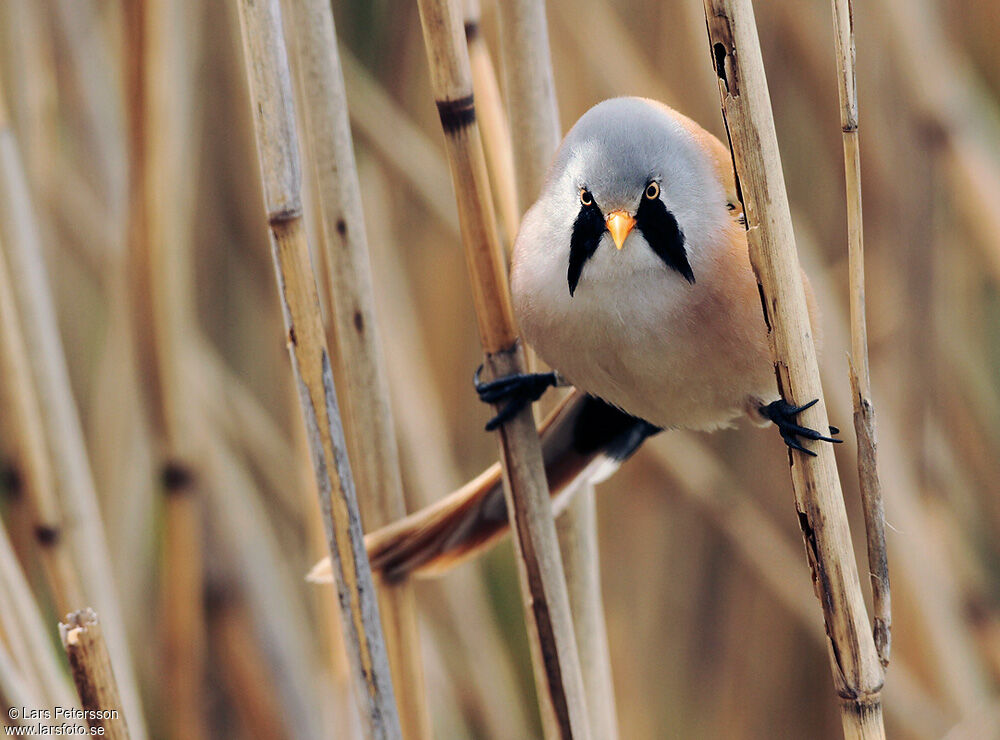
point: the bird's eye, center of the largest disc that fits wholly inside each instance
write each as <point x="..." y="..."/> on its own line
<point x="653" y="190"/>
<point x="586" y="198"/>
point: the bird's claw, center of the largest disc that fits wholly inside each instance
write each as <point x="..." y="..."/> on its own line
<point x="783" y="415"/>
<point x="517" y="390"/>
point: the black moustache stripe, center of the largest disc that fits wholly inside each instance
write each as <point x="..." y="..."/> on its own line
<point x="663" y="235"/>
<point x="658" y="227"/>
<point x="587" y="232"/>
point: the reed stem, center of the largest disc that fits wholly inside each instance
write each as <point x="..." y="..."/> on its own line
<point x="157" y="260"/>
<point x="19" y="237"/>
<point x="236" y="647"/>
<point x="277" y="147"/>
<point x="527" y="68"/>
<point x="90" y="664"/>
<point x="371" y="439"/>
<point x="746" y="110"/>
<point x="24" y="423"/>
<point x="531" y="93"/>
<point x="269" y="587"/>
<point x="492" y="118"/>
<point x="540" y="565"/>
<point x="25" y="631"/>
<point x="860" y="374"/>
<point x="459" y="610"/>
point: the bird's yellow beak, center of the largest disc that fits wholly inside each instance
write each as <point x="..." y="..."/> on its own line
<point x="619" y="224"/>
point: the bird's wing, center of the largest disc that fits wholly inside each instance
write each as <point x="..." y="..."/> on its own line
<point x="582" y="439"/>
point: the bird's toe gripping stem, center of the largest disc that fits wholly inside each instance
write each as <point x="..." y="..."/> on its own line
<point x="516" y="390"/>
<point x="783" y="415"/>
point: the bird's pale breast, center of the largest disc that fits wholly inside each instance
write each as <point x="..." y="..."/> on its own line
<point x="675" y="354"/>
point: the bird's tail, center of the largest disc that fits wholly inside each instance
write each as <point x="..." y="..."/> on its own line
<point x="582" y="439"/>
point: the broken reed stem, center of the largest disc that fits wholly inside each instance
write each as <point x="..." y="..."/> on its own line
<point x="160" y="296"/>
<point x="26" y="632"/>
<point x="355" y="336"/>
<point x="90" y="665"/>
<point x="527" y="68"/>
<point x="861" y="386"/>
<point x="277" y="147"/>
<point x="74" y="482"/>
<point x="746" y="110"/>
<point x="525" y="488"/>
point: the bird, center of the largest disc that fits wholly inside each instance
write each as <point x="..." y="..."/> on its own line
<point x="631" y="279"/>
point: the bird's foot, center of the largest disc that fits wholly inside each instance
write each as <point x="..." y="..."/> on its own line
<point x="516" y="390"/>
<point x="783" y="415"/>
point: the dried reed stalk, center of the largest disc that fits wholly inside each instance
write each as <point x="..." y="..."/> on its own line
<point x="746" y="109"/>
<point x="458" y="610"/>
<point x="277" y="146"/>
<point x="269" y="586"/>
<point x="91" y="97"/>
<point x="12" y="628"/>
<point x="492" y="124"/>
<point x="249" y="428"/>
<point x="531" y="93"/>
<point x="705" y="482"/>
<point x="393" y="134"/>
<point x="183" y="611"/>
<point x="947" y="99"/>
<point x="34" y="89"/>
<point x="371" y="441"/>
<point x="577" y="530"/>
<point x="158" y="234"/>
<point x="860" y="374"/>
<point x="123" y="451"/>
<point x="534" y="116"/>
<point x="90" y="664"/>
<point x="337" y="671"/>
<point x="24" y="423"/>
<point x="236" y="648"/>
<point x="19" y="237"/>
<point x="540" y="565"/>
<point x="925" y="577"/>
<point x="15" y="507"/>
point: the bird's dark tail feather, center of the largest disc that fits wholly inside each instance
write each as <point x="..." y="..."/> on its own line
<point x="582" y="439"/>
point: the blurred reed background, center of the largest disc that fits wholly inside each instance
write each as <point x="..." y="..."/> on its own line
<point x="712" y="625"/>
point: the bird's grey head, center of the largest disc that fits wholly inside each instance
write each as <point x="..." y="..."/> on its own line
<point x="630" y="175"/>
